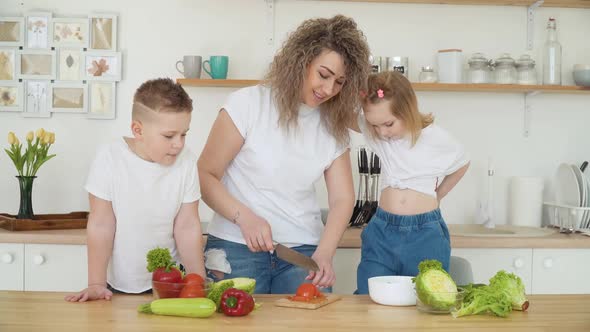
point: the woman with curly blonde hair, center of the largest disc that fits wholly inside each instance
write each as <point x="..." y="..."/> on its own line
<point x="268" y="146"/>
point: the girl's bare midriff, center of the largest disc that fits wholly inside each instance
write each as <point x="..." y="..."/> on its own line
<point x="406" y="201"/>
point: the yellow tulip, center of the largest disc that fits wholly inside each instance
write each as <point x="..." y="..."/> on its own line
<point x="40" y="133"/>
<point x="52" y="138"/>
<point x="30" y="136"/>
<point x="46" y="138"/>
<point x="11" y="138"/>
<point x="16" y="141"/>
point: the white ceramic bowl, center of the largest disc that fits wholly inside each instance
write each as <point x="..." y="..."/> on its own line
<point x="392" y="290"/>
<point x="582" y="75"/>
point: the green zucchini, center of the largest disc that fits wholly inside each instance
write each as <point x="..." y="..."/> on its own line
<point x="189" y="307"/>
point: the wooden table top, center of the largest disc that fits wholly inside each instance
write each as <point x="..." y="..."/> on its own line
<point x="48" y="312"/>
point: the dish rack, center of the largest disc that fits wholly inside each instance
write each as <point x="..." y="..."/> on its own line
<point x="568" y="218"/>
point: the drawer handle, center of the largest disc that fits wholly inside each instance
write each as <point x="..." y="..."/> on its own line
<point x="518" y="263"/>
<point x="548" y="263"/>
<point x="39" y="259"/>
<point x="7" y="258"/>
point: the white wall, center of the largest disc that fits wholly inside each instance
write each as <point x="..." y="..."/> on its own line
<point x="153" y="35"/>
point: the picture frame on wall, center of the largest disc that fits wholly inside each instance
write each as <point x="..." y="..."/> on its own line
<point x="69" y="65"/>
<point x="11" y="96"/>
<point x="69" y="32"/>
<point x="39" y="29"/>
<point x="68" y="97"/>
<point x="9" y="63"/>
<point x="102" y="66"/>
<point x="101" y="100"/>
<point x="37" y="64"/>
<point x="36" y="99"/>
<point x="103" y="32"/>
<point x="12" y="31"/>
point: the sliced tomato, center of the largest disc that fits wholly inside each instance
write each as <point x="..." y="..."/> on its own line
<point x="308" y="291"/>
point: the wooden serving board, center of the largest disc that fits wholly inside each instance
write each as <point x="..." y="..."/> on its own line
<point x="74" y="220"/>
<point x="285" y="302"/>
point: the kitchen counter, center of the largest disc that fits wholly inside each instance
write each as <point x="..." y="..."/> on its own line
<point x="48" y="312"/>
<point x="350" y="239"/>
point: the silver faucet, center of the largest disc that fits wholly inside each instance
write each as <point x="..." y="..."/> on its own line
<point x="486" y="212"/>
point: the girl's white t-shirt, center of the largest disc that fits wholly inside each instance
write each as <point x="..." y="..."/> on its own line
<point x="275" y="170"/>
<point x="422" y="167"/>
<point x="146" y="198"/>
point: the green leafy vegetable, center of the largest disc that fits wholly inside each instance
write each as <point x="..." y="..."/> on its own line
<point x="434" y="286"/>
<point x="512" y="285"/>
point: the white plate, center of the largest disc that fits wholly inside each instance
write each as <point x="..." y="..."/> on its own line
<point x="583" y="198"/>
<point x="567" y="191"/>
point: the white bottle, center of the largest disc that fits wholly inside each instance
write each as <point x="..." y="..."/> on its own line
<point x="552" y="56"/>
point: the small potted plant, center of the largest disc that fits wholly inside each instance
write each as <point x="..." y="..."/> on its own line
<point x="27" y="164"/>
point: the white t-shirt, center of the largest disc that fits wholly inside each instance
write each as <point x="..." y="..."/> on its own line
<point x="274" y="172"/>
<point x="422" y="167"/>
<point x="146" y="198"/>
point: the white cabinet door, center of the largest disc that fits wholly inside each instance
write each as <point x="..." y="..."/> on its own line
<point x="345" y="263"/>
<point x="55" y="267"/>
<point x="12" y="266"/>
<point x="484" y="263"/>
<point x="561" y="271"/>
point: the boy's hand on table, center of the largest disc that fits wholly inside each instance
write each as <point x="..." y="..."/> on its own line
<point x="94" y="292"/>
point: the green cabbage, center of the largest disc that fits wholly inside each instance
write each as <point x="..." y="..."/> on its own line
<point x="434" y="286"/>
<point x="246" y="284"/>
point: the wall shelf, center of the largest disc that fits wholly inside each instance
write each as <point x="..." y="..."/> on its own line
<point x="497" y="88"/>
<point x="524" y="3"/>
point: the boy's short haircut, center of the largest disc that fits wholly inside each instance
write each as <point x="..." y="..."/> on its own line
<point x="160" y="95"/>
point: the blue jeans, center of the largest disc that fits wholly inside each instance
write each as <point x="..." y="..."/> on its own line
<point x="395" y="245"/>
<point x="272" y="274"/>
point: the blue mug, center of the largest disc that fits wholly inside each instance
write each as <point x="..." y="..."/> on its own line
<point x="217" y="66"/>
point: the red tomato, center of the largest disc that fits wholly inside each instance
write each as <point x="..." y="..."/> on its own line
<point x="307" y="291"/>
<point x="174" y="275"/>
<point x="193" y="278"/>
<point x="193" y="290"/>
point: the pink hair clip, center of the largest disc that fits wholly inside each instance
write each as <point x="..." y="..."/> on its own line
<point x="380" y="93"/>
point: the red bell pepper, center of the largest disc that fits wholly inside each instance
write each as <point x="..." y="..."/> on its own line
<point x="235" y="302"/>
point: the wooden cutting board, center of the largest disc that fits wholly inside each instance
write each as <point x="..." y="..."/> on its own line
<point x="285" y="302"/>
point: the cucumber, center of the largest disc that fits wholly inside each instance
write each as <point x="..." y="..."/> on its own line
<point x="193" y="307"/>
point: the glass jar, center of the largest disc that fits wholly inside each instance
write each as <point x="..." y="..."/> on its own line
<point x="479" y="69"/>
<point x="428" y="75"/>
<point x="505" y="70"/>
<point x="526" y="72"/>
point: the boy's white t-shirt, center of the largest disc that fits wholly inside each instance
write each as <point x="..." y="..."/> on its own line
<point x="146" y="198"/>
<point x="274" y="172"/>
<point x="421" y="167"/>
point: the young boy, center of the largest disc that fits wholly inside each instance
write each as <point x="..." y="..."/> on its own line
<point x="144" y="193"/>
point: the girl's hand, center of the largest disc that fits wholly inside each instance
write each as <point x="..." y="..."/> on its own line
<point x="94" y="292"/>
<point x="325" y="277"/>
<point x="257" y="233"/>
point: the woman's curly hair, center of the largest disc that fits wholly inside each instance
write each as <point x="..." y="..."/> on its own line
<point x="288" y="70"/>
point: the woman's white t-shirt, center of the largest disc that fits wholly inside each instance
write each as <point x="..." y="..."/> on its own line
<point x="275" y="170"/>
<point x="421" y="167"/>
<point x="146" y="198"/>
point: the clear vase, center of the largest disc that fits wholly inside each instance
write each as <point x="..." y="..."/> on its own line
<point x="25" y="210"/>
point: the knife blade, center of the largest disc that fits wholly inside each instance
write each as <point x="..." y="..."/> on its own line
<point x="291" y="256"/>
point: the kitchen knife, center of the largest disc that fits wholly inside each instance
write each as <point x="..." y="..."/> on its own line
<point x="291" y="256"/>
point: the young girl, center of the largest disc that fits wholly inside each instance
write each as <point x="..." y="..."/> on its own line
<point x="420" y="165"/>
